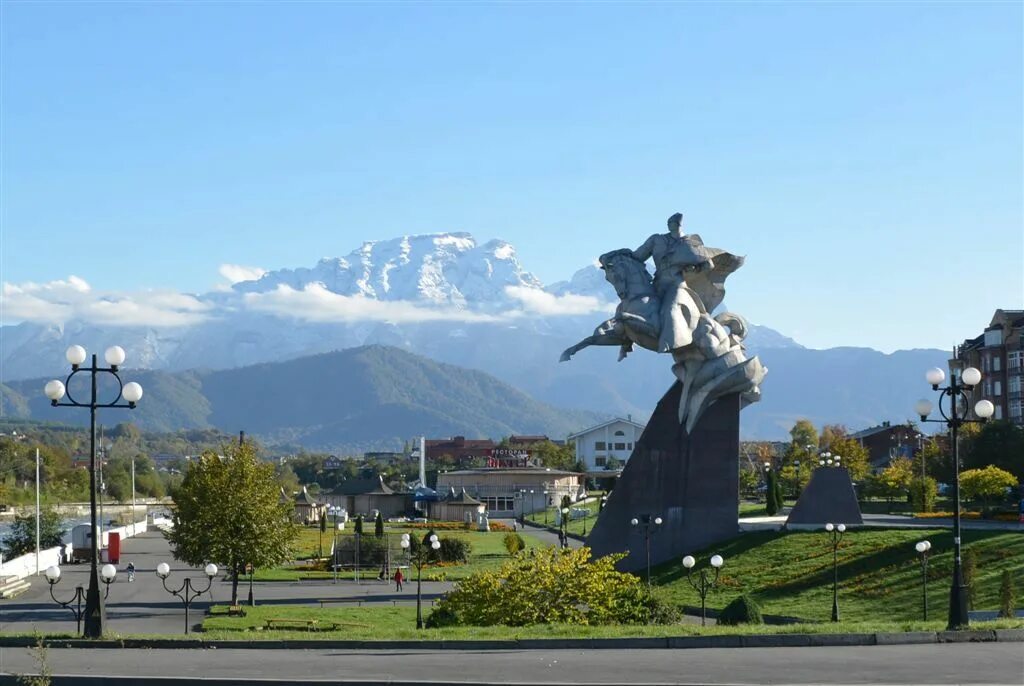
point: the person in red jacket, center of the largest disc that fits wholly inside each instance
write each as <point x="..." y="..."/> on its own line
<point x="399" y="578"/>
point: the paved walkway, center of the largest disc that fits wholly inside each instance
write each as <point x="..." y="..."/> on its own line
<point x="889" y="521"/>
<point x="988" y="663"/>
<point x="144" y="606"/>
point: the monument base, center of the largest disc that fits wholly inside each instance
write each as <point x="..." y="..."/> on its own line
<point x="691" y="481"/>
<point x="828" y="497"/>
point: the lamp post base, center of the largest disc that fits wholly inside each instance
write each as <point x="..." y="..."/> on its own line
<point x="958" y="617"/>
<point x="95" y="612"/>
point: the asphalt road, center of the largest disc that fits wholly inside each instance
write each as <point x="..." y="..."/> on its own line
<point x="988" y="663"/>
<point x="145" y="607"/>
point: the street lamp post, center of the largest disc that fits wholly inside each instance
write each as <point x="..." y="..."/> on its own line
<point x="335" y="511"/>
<point x="922" y="548"/>
<point x="546" y="493"/>
<point x="565" y="527"/>
<point x="836" y="534"/>
<point x="703" y="583"/>
<point x="107" y="574"/>
<point x="956" y="391"/>
<point x="186" y="592"/>
<point x="130" y="393"/>
<point x="419" y="558"/>
<point x="647" y="523"/>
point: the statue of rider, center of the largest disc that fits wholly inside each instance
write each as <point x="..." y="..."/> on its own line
<point x="677" y="258"/>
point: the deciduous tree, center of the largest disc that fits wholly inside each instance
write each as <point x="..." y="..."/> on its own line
<point x="228" y="510"/>
<point x="986" y="484"/>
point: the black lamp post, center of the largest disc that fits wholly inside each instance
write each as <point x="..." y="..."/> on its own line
<point x="186" y="592"/>
<point x="130" y="393"/>
<point x="835" y="532"/>
<point x="420" y="558"/>
<point x="647" y="523"/>
<point x="922" y="548"/>
<point x="564" y="533"/>
<point x="956" y="392"/>
<point x="107" y="574"/>
<point x="703" y="582"/>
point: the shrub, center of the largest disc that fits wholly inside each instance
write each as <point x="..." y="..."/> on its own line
<point x="442" y="617"/>
<point x="663" y="612"/>
<point x="513" y="543"/>
<point x="771" y="495"/>
<point x="455" y="550"/>
<point x="923" y="494"/>
<point x="1006" y="595"/>
<point x="742" y="610"/>
<point x="551" y="586"/>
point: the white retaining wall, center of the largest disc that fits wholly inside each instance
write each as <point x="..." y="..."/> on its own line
<point x="25" y="565"/>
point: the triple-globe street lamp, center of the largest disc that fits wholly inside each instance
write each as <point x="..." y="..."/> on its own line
<point x="60" y="395"/>
<point x="957" y="394"/>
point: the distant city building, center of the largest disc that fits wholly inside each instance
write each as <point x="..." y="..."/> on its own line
<point x="511" y="492"/>
<point x="601" y="446"/>
<point x="366" y="496"/>
<point x="886" y="442"/>
<point x="459" y="447"/>
<point x="999" y="353"/>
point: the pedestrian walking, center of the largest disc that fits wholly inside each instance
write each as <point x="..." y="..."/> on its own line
<point x="399" y="578"/>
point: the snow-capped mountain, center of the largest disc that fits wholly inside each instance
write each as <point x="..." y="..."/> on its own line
<point x="444" y="296"/>
<point x="446" y="269"/>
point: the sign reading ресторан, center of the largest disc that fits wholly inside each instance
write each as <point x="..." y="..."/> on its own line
<point x="332" y="462"/>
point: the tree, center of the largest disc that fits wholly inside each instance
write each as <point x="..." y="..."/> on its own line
<point x="997" y="443"/>
<point x="359" y="525"/>
<point x="378" y="526"/>
<point x="228" y="510"/>
<point x="985" y="484"/>
<point x="22" y="537"/>
<point x="854" y="455"/>
<point x="1006" y="595"/>
<point x="771" y="494"/>
<point x="894" y="480"/>
<point x="923" y="494"/>
<point x="802" y="435"/>
<point x="554" y="456"/>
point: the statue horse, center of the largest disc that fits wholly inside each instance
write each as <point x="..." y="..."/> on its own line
<point x="709" y="357"/>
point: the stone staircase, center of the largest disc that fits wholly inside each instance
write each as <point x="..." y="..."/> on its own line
<point x="11" y="586"/>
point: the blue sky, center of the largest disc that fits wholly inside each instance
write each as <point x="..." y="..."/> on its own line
<point x="866" y="157"/>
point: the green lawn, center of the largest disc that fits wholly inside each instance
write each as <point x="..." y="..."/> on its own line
<point x="579" y="526"/>
<point x="488" y="552"/>
<point x="879" y="573"/>
<point x="383" y="623"/>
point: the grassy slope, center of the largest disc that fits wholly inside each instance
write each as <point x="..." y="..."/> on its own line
<point x="879" y="573"/>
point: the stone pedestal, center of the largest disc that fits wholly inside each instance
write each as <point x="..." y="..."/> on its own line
<point x="828" y="497"/>
<point x="690" y="481"/>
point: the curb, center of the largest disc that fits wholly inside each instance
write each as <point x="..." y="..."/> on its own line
<point x="672" y="642"/>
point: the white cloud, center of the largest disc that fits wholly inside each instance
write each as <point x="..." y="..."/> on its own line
<point x="537" y="301"/>
<point x="315" y="303"/>
<point x="236" y="273"/>
<point x="60" y="301"/>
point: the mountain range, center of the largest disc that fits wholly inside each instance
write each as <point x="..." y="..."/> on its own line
<point x="456" y="301"/>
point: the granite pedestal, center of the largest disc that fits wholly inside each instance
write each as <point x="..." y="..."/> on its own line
<point x="691" y="481"/>
<point x="828" y="498"/>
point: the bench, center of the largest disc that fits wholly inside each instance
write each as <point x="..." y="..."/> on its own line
<point x="235" y="611"/>
<point x="307" y="624"/>
<point x="344" y="601"/>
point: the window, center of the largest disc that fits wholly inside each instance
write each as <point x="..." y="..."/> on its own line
<point x="599" y="445"/>
<point x="600" y="460"/>
<point x="986" y="365"/>
<point x="997" y="363"/>
<point x="629" y="446"/>
<point x="620" y="433"/>
<point x="620" y="446"/>
<point x="1016" y="409"/>
<point x="999" y="412"/>
<point x="1013" y="385"/>
<point x="1015" y="359"/>
<point x="998" y="386"/>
